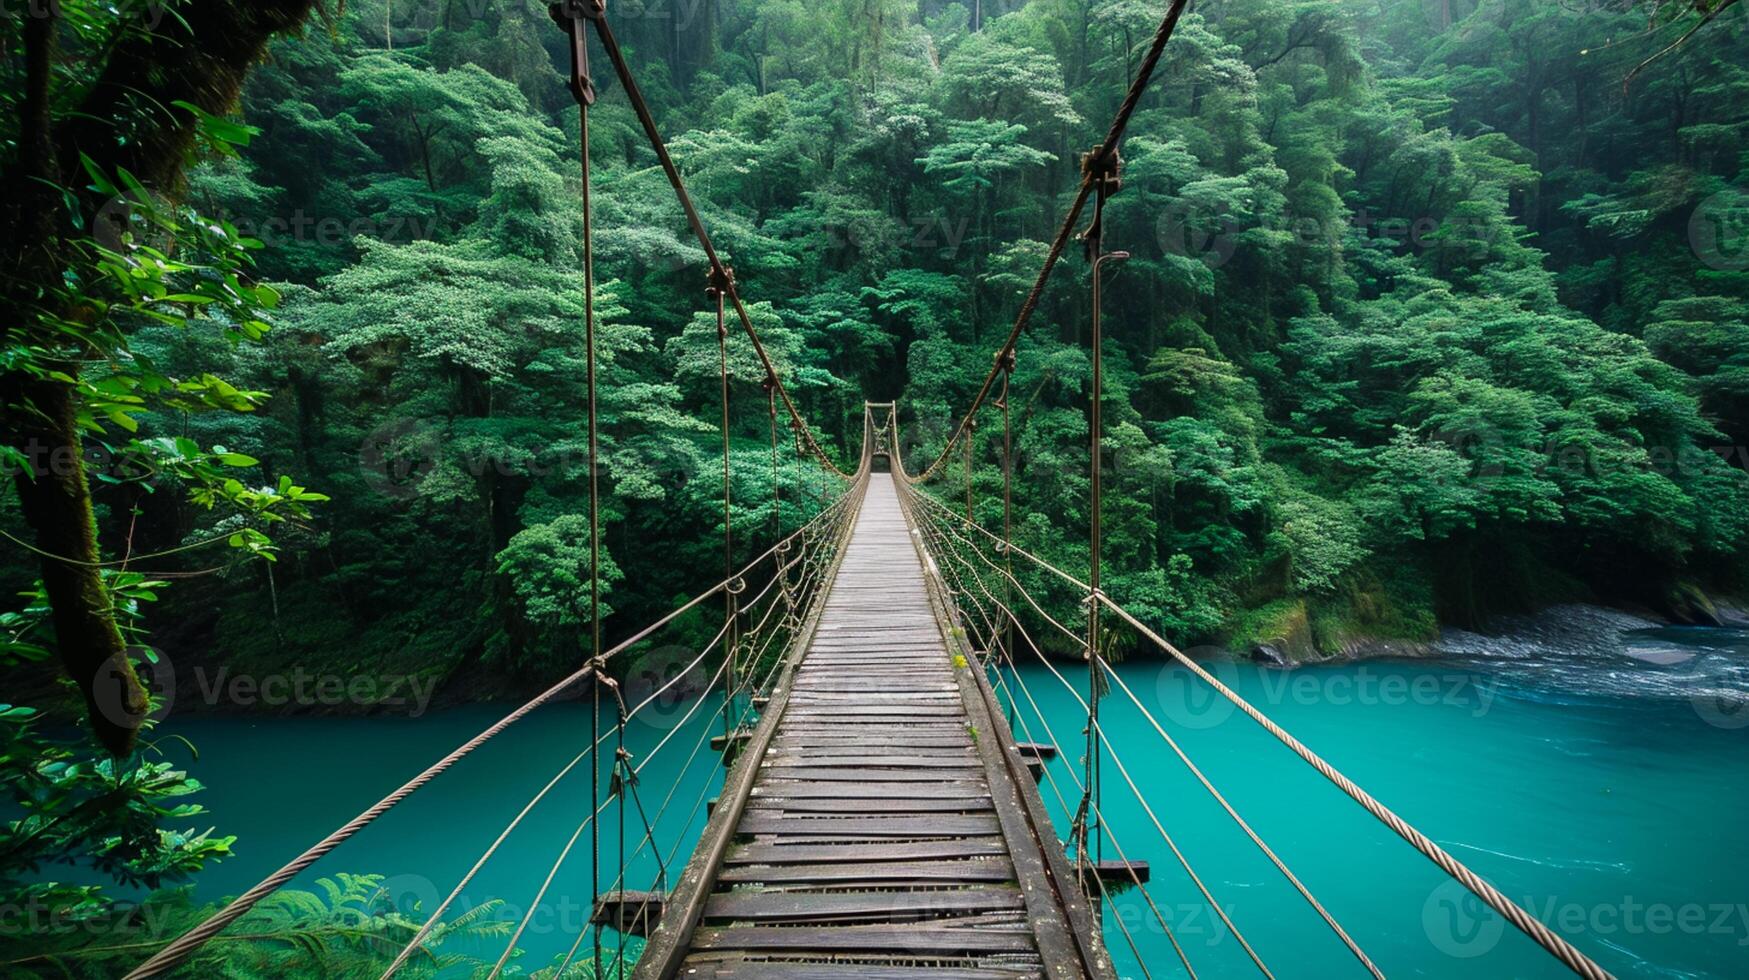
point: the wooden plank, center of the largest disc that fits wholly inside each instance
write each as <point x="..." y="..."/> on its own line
<point x="823" y="773"/>
<point x="842" y="747"/>
<point x="866" y="852"/>
<point x="799" y="907"/>
<point x="739" y="968"/>
<point x="802" y="696"/>
<point x="960" y="871"/>
<point x="763" y="822"/>
<point x="806" y="805"/>
<point x="884" y="719"/>
<point x="881" y="762"/>
<point x="953" y="740"/>
<point x="914" y="940"/>
<point x="868" y="790"/>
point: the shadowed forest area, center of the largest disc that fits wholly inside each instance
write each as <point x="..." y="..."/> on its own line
<point x="1426" y="317"/>
<point x="1434" y="311"/>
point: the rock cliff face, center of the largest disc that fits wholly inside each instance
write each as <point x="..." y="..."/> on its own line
<point x="1289" y="633"/>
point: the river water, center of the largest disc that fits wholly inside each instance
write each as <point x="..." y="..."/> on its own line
<point x="1596" y="770"/>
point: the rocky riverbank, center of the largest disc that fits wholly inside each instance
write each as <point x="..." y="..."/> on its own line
<point x="1563" y="630"/>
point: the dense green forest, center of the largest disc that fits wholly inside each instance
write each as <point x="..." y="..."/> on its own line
<point x="1415" y="330"/>
<point x="1435" y="310"/>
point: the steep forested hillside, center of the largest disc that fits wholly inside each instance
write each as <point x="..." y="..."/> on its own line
<point x="1427" y="316"/>
<point x="1434" y="310"/>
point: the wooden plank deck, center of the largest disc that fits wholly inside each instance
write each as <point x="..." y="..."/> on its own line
<point x="882" y="833"/>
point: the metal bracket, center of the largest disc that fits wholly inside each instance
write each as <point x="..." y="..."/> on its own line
<point x="1105" y="169"/>
<point x="719" y="283"/>
<point x="572" y="17"/>
<point x="1106" y="173"/>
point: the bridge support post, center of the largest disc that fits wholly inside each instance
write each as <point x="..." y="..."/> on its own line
<point x="1104" y="167"/>
<point x="631" y="913"/>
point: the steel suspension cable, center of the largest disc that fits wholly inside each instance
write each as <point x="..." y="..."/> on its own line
<point x="1569" y="956"/>
<point x="1129" y="868"/>
<point x="1244" y="826"/>
<point x="719" y="271"/>
<point x="1110" y="672"/>
<point x="1089" y="809"/>
<point x="1184" y="862"/>
<point x="594" y="505"/>
<point x="1100" y="156"/>
<point x="184" y="946"/>
<point x="716" y="291"/>
<point x="617" y="790"/>
<point x="776" y="475"/>
<point x="436" y="915"/>
<point x="1051" y="780"/>
<point x="181" y="948"/>
<point x="596" y="806"/>
<point x="648" y="838"/>
<point x="1541" y="934"/>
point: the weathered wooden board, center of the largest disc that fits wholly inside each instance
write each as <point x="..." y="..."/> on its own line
<point x="872" y="841"/>
<point x="966" y="870"/>
<point x="740" y="968"/>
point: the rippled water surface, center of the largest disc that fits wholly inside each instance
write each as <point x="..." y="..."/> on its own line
<point x="1591" y="766"/>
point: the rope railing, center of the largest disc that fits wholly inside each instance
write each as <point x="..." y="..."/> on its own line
<point x="1051" y="780"/>
<point x="815" y="538"/>
<point x="953" y="543"/>
<point x="1098" y="166"/>
<point x="797" y="548"/>
<point x="964" y="545"/>
<point x="961" y="591"/>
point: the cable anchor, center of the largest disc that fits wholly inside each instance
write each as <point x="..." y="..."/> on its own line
<point x="719" y="281"/>
<point x="624" y="776"/>
<point x="1104" y="171"/>
<point x="572" y="17"/>
<point x="1005" y="364"/>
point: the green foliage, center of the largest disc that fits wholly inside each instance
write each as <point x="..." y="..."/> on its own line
<point x="103" y="813"/>
<point x="1401" y="287"/>
<point x="350" y="926"/>
<point x="1405" y="289"/>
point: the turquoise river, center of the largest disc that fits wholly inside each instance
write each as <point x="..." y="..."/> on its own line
<point x="1602" y="786"/>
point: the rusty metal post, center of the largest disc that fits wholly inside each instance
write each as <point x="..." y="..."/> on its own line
<point x="1107" y="170"/>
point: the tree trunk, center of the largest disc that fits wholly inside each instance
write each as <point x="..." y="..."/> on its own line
<point x="201" y="57"/>
<point x="57" y="502"/>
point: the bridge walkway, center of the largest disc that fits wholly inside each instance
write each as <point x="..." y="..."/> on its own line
<point x="879" y="829"/>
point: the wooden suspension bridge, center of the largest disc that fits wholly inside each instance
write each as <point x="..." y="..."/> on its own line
<point x="879" y="818"/>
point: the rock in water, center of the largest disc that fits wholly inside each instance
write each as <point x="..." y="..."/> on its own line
<point x="1658" y="653"/>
